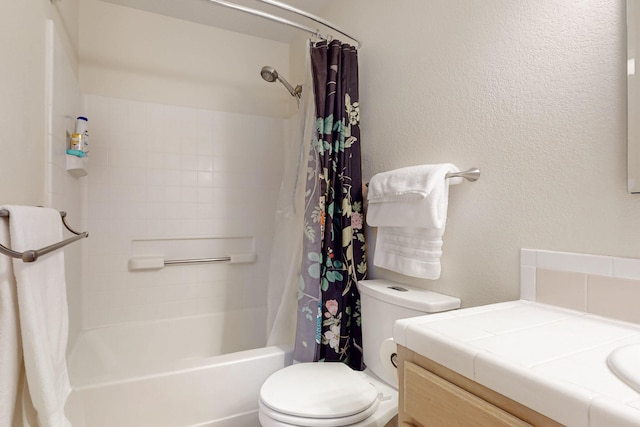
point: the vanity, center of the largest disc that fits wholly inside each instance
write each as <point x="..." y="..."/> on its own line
<point x="526" y="362"/>
<point x="519" y="363"/>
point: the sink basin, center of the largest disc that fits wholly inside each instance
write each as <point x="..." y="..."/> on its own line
<point x="625" y="363"/>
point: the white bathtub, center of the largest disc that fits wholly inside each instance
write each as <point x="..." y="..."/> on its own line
<point x="194" y="371"/>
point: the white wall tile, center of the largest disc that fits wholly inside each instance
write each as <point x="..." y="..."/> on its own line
<point x="190" y="195"/>
<point x="527" y="282"/>
<point x="562" y="288"/>
<point x="626" y="268"/>
<point x="206" y="179"/>
<point x="528" y="257"/>
<point x="158" y="177"/>
<point x="610" y="282"/>
<point x="205" y="163"/>
<point x="579" y="263"/>
<point x="614" y="297"/>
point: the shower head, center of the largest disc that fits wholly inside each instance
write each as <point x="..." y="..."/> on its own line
<point x="270" y="75"/>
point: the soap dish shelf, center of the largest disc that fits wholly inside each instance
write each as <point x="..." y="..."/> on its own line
<point x="77" y="166"/>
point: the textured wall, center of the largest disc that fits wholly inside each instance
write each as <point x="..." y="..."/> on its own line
<point x="533" y="93"/>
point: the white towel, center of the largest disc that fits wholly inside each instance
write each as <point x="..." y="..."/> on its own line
<point x="412" y="251"/>
<point x="415" y="196"/>
<point x="43" y="316"/>
<point x="409" y="207"/>
<point x="10" y="346"/>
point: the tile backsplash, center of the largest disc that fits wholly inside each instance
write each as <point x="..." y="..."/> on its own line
<point x="601" y="285"/>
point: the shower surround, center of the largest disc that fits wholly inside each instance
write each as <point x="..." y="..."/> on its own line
<point x="184" y="183"/>
<point x="177" y="173"/>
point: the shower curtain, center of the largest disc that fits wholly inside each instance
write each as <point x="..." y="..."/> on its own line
<point x="333" y="257"/>
<point x="286" y="250"/>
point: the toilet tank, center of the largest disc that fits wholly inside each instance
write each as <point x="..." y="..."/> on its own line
<point x="382" y="303"/>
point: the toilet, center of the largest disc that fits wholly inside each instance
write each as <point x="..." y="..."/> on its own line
<point x="332" y="394"/>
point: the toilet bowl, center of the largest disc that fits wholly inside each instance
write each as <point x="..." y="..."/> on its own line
<point x="332" y="394"/>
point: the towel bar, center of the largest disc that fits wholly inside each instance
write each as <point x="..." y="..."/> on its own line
<point x="33" y="254"/>
<point x="471" y="175"/>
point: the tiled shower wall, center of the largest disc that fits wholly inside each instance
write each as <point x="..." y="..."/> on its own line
<point x="168" y="172"/>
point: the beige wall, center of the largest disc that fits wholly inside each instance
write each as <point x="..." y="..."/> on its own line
<point x="22" y="102"/>
<point x="39" y="99"/>
<point x="22" y="93"/>
<point x="533" y="93"/>
<point x="136" y="55"/>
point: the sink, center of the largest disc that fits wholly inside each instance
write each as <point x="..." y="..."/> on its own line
<point x="625" y="363"/>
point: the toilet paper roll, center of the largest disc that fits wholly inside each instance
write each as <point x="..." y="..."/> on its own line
<point x="387" y="350"/>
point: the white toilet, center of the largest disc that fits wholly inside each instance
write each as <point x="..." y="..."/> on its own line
<point x="332" y="394"/>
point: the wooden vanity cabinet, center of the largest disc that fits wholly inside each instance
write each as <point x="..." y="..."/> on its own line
<point x="434" y="396"/>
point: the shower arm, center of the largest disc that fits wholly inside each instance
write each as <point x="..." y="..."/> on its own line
<point x="295" y="92"/>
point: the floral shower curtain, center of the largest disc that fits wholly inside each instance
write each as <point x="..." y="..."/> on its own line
<point x="328" y="324"/>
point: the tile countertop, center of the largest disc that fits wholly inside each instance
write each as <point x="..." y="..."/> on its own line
<point x="550" y="359"/>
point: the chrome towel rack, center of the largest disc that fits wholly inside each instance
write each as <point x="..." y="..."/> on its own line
<point x="33" y="254"/>
<point x="471" y="175"/>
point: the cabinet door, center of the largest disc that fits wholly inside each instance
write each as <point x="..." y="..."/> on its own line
<point x="434" y="402"/>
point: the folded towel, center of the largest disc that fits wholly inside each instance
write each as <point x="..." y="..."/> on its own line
<point x="416" y="196"/>
<point x="409" y="207"/>
<point x="412" y="251"/>
<point x="43" y="315"/>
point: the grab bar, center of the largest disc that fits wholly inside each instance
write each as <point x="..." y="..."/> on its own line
<point x="158" y="262"/>
<point x="33" y="254"/>
<point x="196" y="261"/>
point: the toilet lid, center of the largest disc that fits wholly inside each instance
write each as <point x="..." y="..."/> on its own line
<point x="318" y="390"/>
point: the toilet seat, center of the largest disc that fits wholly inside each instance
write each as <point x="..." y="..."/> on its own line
<point x="318" y="395"/>
<point x="290" y="420"/>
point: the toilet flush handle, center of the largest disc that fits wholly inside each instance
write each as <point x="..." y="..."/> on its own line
<point x="394" y="360"/>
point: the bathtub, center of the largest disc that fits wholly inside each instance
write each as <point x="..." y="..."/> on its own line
<point x="203" y="371"/>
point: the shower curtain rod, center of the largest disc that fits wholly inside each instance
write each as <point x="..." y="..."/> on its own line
<point x="284" y="21"/>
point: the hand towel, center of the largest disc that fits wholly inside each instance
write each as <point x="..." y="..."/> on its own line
<point x="412" y="196"/>
<point x="409" y="207"/>
<point x="42" y="312"/>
